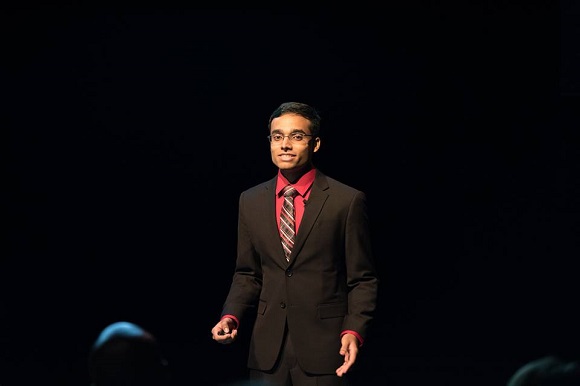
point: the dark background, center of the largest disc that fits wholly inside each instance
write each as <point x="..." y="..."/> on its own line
<point x="131" y="132"/>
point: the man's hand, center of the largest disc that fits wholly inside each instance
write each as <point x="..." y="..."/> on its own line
<point x="349" y="350"/>
<point x="225" y="331"/>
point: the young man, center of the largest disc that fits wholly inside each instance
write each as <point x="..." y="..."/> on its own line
<point x="311" y="289"/>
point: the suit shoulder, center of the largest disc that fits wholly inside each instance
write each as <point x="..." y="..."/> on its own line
<point x="258" y="189"/>
<point x="335" y="184"/>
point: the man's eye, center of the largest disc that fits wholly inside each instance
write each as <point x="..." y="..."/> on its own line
<point x="297" y="137"/>
<point x="277" y="137"/>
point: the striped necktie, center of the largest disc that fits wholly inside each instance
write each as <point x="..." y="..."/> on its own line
<point x="287" y="225"/>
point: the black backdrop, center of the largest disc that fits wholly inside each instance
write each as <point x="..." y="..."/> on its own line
<point x="132" y="132"/>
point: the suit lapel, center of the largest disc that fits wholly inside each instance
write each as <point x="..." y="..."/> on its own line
<point x="316" y="200"/>
<point x="271" y="228"/>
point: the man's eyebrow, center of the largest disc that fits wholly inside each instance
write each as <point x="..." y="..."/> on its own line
<point x="278" y="131"/>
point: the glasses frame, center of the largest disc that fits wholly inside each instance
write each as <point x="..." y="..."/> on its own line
<point x="288" y="136"/>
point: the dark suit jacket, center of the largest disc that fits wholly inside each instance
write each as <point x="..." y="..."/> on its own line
<point x="330" y="284"/>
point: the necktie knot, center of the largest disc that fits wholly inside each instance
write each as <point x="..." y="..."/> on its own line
<point x="289" y="191"/>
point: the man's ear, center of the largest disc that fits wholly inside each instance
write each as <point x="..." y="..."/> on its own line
<point x="316" y="144"/>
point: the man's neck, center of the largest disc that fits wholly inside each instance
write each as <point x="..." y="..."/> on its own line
<point x="293" y="175"/>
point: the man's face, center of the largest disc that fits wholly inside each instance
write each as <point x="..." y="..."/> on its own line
<point x="289" y="153"/>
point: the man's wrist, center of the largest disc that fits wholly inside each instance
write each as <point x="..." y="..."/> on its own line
<point x="356" y="335"/>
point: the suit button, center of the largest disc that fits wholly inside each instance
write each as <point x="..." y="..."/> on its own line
<point x="282" y="305"/>
<point x="289" y="272"/>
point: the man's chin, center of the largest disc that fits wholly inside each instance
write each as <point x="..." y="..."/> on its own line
<point x="287" y="165"/>
<point x="293" y="168"/>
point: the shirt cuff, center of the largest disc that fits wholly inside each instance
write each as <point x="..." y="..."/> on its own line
<point x="356" y="334"/>
<point x="232" y="317"/>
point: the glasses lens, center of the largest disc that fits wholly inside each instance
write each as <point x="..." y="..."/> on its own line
<point x="294" y="137"/>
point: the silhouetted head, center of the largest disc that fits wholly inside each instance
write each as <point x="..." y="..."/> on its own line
<point x="547" y="371"/>
<point x="125" y="354"/>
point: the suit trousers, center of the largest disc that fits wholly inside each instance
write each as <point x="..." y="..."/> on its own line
<point x="287" y="371"/>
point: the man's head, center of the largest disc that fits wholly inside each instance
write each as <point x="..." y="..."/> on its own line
<point x="126" y="354"/>
<point x="294" y="137"/>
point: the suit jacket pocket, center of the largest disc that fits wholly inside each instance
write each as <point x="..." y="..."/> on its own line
<point x="262" y="305"/>
<point x="335" y="310"/>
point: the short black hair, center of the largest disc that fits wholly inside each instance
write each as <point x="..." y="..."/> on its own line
<point x="302" y="109"/>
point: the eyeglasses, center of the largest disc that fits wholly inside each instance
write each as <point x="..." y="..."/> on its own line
<point x="294" y="137"/>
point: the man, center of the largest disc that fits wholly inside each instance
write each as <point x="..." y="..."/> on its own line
<point x="312" y="306"/>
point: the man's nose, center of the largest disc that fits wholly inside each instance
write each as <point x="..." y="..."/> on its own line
<point x="286" y="142"/>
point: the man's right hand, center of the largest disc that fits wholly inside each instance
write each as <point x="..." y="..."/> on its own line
<point x="224" y="331"/>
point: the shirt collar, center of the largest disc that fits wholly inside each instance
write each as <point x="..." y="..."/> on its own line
<point x="302" y="185"/>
